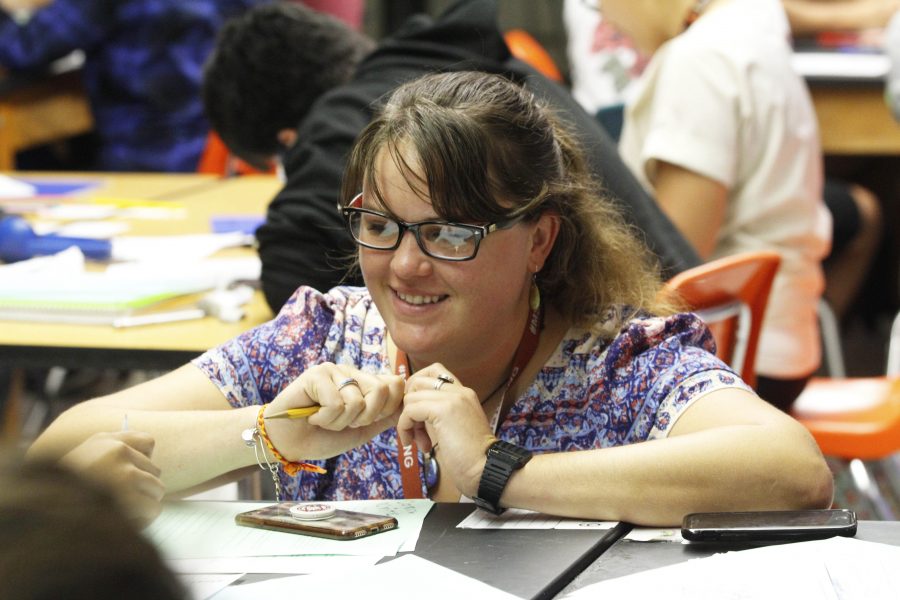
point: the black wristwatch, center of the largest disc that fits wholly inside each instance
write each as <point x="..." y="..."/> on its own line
<point x="502" y="459"/>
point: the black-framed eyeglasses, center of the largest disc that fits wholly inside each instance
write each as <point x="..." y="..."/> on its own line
<point x="438" y="239"/>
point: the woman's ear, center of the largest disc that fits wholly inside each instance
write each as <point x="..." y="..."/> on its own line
<point x="543" y="236"/>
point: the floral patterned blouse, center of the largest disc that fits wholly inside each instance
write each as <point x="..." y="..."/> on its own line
<point x="597" y="390"/>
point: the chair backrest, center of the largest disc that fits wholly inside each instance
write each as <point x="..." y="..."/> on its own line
<point x="523" y="46"/>
<point x="730" y="294"/>
<point x="217" y="160"/>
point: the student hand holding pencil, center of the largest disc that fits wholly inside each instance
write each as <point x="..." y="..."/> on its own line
<point x="330" y="409"/>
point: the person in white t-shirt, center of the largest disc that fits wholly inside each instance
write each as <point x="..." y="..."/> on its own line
<point x="723" y="131"/>
<point x="605" y="66"/>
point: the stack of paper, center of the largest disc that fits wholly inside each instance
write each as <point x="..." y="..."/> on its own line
<point x="58" y="289"/>
<point x="201" y="538"/>
<point x="834" y="569"/>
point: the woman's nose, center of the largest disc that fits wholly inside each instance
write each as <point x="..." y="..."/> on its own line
<point x="408" y="259"/>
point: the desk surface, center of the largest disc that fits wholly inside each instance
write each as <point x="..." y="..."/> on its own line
<point x="625" y="557"/>
<point x="855" y="119"/>
<point x="534" y="564"/>
<point x="157" y="346"/>
<point x="847" y="91"/>
<point x="530" y="563"/>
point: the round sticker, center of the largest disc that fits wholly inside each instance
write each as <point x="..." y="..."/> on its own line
<point x="312" y="511"/>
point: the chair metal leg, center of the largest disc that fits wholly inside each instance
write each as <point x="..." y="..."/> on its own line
<point x="13" y="408"/>
<point x="893" y="358"/>
<point x="831" y="341"/>
<point x="846" y="492"/>
<point x="887" y="474"/>
<point x="868" y="486"/>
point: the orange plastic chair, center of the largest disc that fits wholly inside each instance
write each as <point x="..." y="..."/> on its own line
<point x="730" y="294"/>
<point x="527" y="49"/>
<point x="853" y="417"/>
<point x="856" y="423"/>
<point x="856" y="417"/>
<point x="217" y="160"/>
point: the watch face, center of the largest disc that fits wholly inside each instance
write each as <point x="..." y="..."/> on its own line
<point x="509" y="453"/>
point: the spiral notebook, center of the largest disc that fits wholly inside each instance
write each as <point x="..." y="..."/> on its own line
<point x="89" y="299"/>
<point x="59" y="289"/>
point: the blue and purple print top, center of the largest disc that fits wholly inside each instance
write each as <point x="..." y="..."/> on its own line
<point x="595" y="391"/>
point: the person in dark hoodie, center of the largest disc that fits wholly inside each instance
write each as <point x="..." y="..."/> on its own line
<point x="287" y="82"/>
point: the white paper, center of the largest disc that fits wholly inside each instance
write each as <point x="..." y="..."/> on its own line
<point x="14" y="188"/>
<point x="841" y="65"/>
<point x="651" y="534"/>
<point x="293" y="565"/>
<point x="98" y="230"/>
<point x="175" y="247"/>
<point x="205" y="274"/>
<point x="834" y="569"/>
<point x="207" y="530"/>
<point x="518" y="518"/>
<point x="71" y="211"/>
<point x="202" y="586"/>
<point x="70" y="260"/>
<point x="406" y="577"/>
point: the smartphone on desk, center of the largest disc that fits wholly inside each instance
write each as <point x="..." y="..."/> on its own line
<point x="786" y="525"/>
<point x="332" y="523"/>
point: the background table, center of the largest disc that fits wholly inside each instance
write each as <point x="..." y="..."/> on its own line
<point x="39" y="109"/>
<point x="153" y="347"/>
<point x="854" y="118"/>
<point x="161" y="346"/>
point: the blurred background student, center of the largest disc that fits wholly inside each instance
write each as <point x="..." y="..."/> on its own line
<point x="62" y="536"/>
<point x="142" y="70"/>
<point x="605" y="66"/>
<point x="723" y="131"/>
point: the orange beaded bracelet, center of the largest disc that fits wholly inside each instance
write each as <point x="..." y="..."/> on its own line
<point x="291" y="468"/>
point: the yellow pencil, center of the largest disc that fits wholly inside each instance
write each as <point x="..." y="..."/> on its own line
<point x="295" y="413"/>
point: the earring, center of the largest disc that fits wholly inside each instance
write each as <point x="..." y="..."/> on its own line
<point x="534" y="297"/>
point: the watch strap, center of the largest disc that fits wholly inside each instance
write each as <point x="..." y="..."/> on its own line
<point x="503" y="459"/>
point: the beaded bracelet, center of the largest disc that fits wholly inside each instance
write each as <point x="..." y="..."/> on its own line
<point x="291" y="468"/>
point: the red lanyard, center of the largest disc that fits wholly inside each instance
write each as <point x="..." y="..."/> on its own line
<point x="408" y="455"/>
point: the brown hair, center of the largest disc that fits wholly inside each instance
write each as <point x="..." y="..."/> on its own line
<point x="63" y="537"/>
<point x="488" y="151"/>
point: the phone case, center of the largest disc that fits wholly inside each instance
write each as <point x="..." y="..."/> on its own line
<point x="343" y="525"/>
<point x="791" y="525"/>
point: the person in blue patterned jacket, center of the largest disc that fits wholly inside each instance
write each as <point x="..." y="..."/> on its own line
<point x="510" y="346"/>
<point x="143" y="62"/>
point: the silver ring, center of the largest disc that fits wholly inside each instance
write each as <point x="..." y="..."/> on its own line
<point x="349" y="381"/>
<point x="442" y="379"/>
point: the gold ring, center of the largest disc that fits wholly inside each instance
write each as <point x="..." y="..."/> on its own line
<point x="349" y="381"/>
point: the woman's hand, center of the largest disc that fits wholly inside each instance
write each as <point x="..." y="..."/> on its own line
<point x="121" y="463"/>
<point x="438" y="412"/>
<point x="355" y="406"/>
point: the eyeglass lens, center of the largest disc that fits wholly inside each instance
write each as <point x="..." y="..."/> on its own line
<point x="440" y="240"/>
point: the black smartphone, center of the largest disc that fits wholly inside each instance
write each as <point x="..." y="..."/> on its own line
<point x="316" y="519"/>
<point x="785" y="525"/>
